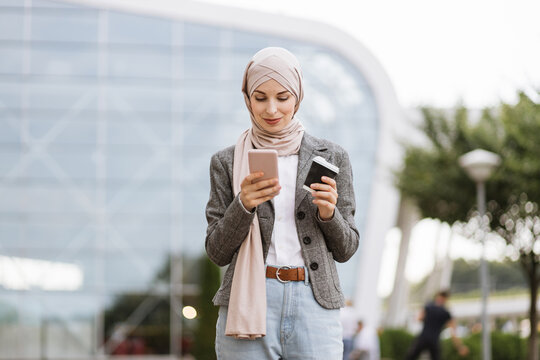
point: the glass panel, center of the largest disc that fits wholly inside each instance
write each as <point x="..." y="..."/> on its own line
<point x="71" y="97"/>
<point x="129" y="269"/>
<point x="248" y="42"/>
<point x="11" y="3"/>
<point x="138" y="165"/>
<point x="72" y="132"/>
<point x="126" y="101"/>
<point x="24" y="198"/>
<point x="9" y="160"/>
<point x="196" y="164"/>
<point x="9" y="133"/>
<point x="19" y="326"/>
<point x="66" y="164"/>
<point x="53" y="4"/>
<point x="136" y="29"/>
<point x="142" y="63"/>
<point x="67" y="337"/>
<point x="11" y="23"/>
<point x="18" y="236"/>
<point x="65" y="61"/>
<point x="201" y="65"/>
<point x="10" y="96"/>
<point x="145" y="200"/>
<point x="77" y="26"/>
<point x="145" y="235"/>
<point x="198" y="35"/>
<point x="11" y="60"/>
<point x="210" y="104"/>
<point x="144" y="129"/>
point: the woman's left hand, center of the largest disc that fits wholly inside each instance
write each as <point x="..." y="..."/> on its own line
<point x="325" y="197"/>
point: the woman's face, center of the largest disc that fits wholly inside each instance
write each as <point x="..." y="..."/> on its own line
<point x="272" y="105"/>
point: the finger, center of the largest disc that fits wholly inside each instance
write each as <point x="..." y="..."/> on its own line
<point x="259" y="197"/>
<point x="326" y="196"/>
<point x="268" y="191"/>
<point x="256" y="194"/>
<point x="254" y="198"/>
<point x="324" y="187"/>
<point x="324" y="204"/>
<point x="265" y="183"/>
<point x="320" y="190"/>
<point x="248" y="179"/>
<point x="329" y="181"/>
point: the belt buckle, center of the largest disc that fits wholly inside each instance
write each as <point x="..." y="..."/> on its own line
<point x="277" y="274"/>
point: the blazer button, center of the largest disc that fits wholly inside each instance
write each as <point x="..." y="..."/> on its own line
<point x="314" y="266"/>
<point x="300" y="215"/>
<point x="307" y="240"/>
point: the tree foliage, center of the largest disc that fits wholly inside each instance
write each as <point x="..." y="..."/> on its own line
<point x="205" y="332"/>
<point x="432" y="177"/>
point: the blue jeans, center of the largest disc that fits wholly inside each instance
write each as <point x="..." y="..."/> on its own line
<point x="297" y="328"/>
<point x="348" y="345"/>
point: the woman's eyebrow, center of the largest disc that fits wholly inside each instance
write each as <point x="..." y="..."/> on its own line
<point x="279" y="93"/>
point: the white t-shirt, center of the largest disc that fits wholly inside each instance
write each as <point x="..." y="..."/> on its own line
<point x="285" y="247"/>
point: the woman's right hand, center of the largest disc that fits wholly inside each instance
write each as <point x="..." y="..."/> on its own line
<point x="255" y="193"/>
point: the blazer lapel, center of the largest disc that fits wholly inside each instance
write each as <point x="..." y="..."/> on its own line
<point x="309" y="148"/>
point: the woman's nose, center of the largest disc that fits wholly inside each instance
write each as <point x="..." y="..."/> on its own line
<point x="271" y="108"/>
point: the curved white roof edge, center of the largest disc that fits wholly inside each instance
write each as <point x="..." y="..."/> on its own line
<point x="275" y="24"/>
<point x="383" y="207"/>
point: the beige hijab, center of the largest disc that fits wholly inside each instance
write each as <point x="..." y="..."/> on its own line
<point x="246" y="317"/>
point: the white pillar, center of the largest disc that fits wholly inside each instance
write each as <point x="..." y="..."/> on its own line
<point x="381" y="219"/>
<point x="397" y="306"/>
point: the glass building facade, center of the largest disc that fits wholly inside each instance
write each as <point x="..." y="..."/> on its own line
<point x="108" y="121"/>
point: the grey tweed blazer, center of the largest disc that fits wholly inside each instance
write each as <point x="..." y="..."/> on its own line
<point x="322" y="242"/>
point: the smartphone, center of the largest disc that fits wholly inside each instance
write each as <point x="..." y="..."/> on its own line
<point x="265" y="161"/>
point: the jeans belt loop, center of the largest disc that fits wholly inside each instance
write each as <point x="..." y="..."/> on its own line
<point x="306" y="276"/>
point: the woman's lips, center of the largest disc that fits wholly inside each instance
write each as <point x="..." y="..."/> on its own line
<point x="272" y="121"/>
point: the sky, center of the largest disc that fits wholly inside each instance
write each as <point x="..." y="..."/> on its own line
<point x="436" y="53"/>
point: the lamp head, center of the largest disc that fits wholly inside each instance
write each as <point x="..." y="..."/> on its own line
<point x="479" y="164"/>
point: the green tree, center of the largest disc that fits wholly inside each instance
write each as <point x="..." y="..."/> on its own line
<point x="205" y="332"/>
<point x="431" y="176"/>
<point x="519" y="225"/>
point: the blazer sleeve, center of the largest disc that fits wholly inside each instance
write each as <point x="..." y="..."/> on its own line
<point x="228" y="221"/>
<point x="340" y="232"/>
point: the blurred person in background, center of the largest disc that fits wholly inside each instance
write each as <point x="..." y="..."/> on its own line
<point x="280" y="296"/>
<point x="435" y="317"/>
<point x="366" y="343"/>
<point x="349" y="322"/>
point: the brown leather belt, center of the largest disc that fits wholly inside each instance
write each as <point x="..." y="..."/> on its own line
<point x="285" y="273"/>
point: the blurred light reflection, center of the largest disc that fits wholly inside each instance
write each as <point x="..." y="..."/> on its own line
<point x="18" y="273"/>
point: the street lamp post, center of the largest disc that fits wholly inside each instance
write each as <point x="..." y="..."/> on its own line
<point x="479" y="165"/>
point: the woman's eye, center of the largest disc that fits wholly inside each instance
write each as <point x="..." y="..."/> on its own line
<point x="260" y="99"/>
<point x="283" y="98"/>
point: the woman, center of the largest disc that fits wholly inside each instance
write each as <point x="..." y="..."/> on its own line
<point x="280" y="296"/>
